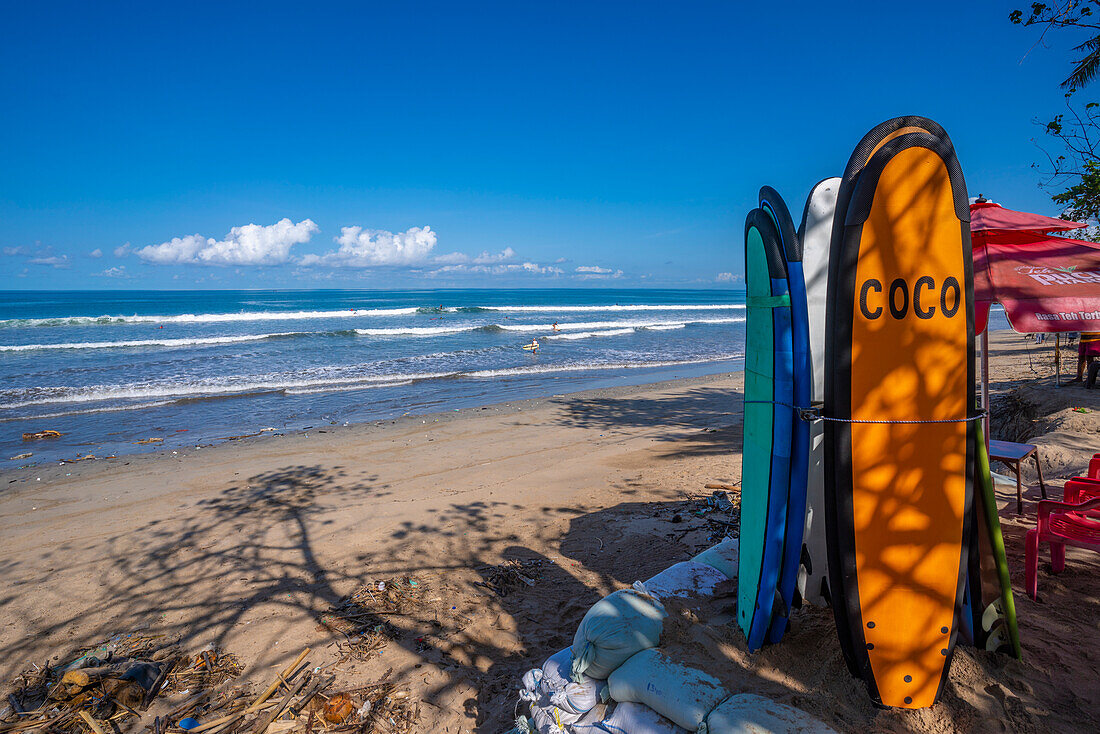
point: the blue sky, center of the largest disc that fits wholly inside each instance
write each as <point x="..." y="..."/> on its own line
<point x="472" y="144"/>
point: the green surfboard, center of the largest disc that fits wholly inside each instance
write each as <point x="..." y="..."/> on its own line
<point x="998" y="618"/>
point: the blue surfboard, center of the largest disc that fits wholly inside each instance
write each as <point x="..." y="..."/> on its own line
<point x="802" y="377"/>
<point x="767" y="435"/>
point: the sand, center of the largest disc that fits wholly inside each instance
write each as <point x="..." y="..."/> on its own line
<point x="249" y="543"/>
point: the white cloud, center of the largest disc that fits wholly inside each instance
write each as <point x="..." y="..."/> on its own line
<point x="485" y="258"/>
<point x="362" y="248"/>
<point x="61" y="262"/>
<point x="541" y="269"/>
<point x="119" y="272"/>
<point x="594" y="272"/>
<point x="727" y="278"/>
<point x="453" y="258"/>
<point x="498" y="269"/>
<point x="123" y="250"/>
<point x="39" y="255"/>
<point x="252" y="244"/>
<point x="96" y="253"/>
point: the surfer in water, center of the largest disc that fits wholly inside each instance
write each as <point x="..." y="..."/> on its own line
<point x="533" y="347"/>
<point x="556" y="329"/>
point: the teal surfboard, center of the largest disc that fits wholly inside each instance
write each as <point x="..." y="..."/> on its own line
<point x="766" y="448"/>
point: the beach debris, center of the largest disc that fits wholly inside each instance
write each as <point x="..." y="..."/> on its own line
<point x="245" y="435"/>
<point x="720" y="485"/>
<point x="21" y="456"/>
<point x="209" y="668"/>
<point x="381" y="707"/>
<point x="362" y="617"/>
<point x="144" y="441"/>
<point x="719" y="501"/>
<point x="86" y="457"/>
<point x="105" y="688"/>
<point x="398" y="595"/>
<point x="338" y="708"/>
<point x="39" y="435"/>
<point x="510" y="575"/>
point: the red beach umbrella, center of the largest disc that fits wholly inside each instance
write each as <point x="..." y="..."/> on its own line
<point x="986" y="217"/>
<point x="1045" y="283"/>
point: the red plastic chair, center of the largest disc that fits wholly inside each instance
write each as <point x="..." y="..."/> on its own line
<point x="1062" y="524"/>
<point x="1080" y="489"/>
<point x="1094" y="467"/>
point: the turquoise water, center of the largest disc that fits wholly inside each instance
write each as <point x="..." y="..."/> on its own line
<point x="110" y="369"/>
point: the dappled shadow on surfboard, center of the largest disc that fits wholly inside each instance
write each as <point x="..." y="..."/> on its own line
<point x="702" y="421"/>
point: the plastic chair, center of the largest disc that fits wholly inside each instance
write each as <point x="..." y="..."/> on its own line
<point x="1080" y="489"/>
<point x="1061" y="524"/>
<point x="1094" y="467"/>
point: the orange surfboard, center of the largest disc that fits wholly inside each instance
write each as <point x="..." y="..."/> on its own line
<point x="900" y="350"/>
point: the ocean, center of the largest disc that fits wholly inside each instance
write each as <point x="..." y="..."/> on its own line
<point x="112" y="370"/>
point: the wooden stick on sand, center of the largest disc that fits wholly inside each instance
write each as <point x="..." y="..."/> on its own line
<point x="270" y="716"/>
<point x="274" y="686"/>
<point x="217" y="724"/>
<point x="91" y="722"/>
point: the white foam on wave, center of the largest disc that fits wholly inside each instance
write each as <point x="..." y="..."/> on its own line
<point x="210" y="388"/>
<point x="669" y="327"/>
<point x="89" y="411"/>
<point x="592" y="366"/>
<point x="591" y="326"/>
<point x="197" y="341"/>
<point x="209" y="318"/>
<point x="417" y="330"/>
<point x="626" y="307"/>
<point x="169" y="393"/>
<point x="588" y="334"/>
<point x="344" y="388"/>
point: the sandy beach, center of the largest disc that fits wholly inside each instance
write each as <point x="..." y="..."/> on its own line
<point x="251" y="544"/>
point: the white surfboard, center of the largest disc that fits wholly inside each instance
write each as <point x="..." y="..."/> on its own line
<point x="816" y="233"/>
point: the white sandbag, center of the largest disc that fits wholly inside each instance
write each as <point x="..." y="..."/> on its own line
<point x="684" y="579"/>
<point x="552" y="720"/>
<point x="616" y="627"/>
<point x="531" y="690"/>
<point x="629" y="718"/>
<point x="684" y="695"/>
<point x="575" y="697"/>
<point x="722" y="556"/>
<point x="747" y="713"/>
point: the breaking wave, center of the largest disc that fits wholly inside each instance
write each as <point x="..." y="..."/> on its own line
<point x="193" y="342"/>
<point x="635" y="307"/>
<point x="208" y="318"/>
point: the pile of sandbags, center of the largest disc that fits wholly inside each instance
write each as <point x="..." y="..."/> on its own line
<point x="688" y="578"/>
<point x="557" y="697"/>
<point x="613" y="679"/>
<point x="722" y="557"/>
<point x="616" y="627"/>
